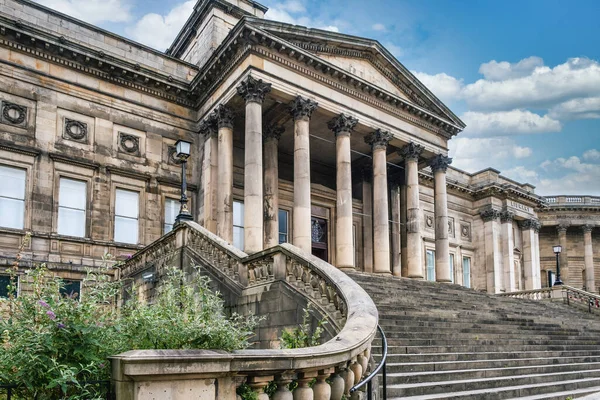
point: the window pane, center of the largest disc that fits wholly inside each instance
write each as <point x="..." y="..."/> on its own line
<point x="126" y="230"/>
<point x="71" y="222"/>
<point x="168" y="228"/>
<point x="430" y="265"/>
<point x="127" y="203"/>
<point x="171" y="211"/>
<point x="238" y="237"/>
<point x="238" y="213"/>
<point x="13" y="182"/>
<point x="71" y="288"/>
<point x="452" y="267"/>
<point x="282" y="238"/>
<point x="467" y="272"/>
<point x="11" y="212"/>
<point x="72" y="194"/>
<point x="283" y="226"/>
<point x="5" y="283"/>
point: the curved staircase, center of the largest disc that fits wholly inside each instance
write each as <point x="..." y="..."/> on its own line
<point x="449" y="342"/>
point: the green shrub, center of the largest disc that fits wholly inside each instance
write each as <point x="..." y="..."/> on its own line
<point x="302" y="335"/>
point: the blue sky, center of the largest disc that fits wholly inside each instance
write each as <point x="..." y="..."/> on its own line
<point x="524" y="75"/>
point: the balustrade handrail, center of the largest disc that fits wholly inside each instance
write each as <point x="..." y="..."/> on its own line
<point x="592" y="300"/>
<point x="302" y="272"/>
<point x="523" y="293"/>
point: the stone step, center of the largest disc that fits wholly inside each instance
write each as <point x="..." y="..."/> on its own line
<point x="591" y="393"/>
<point x="508" y="342"/>
<point x="484" y="356"/>
<point x="473" y="348"/>
<point x="474" y="334"/>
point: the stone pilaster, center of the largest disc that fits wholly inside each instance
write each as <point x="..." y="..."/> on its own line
<point x="379" y="141"/>
<point x="224" y="117"/>
<point x="395" y="210"/>
<point x="439" y="165"/>
<point x="342" y="126"/>
<point x="564" y="255"/>
<point x="271" y="136"/>
<point x="493" y="259"/>
<point x="588" y="259"/>
<point x="508" y="246"/>
<point x="411" y="153"/>
<point x="210" y="172"/>
<point x="254" y="92"/>
<point x="530" y="263"/>
<point x="367" y="192"/>
<point x="302" y="109"/>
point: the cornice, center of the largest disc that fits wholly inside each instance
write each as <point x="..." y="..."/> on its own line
<point x="77" y="161"/>
<point x="128" y="173"/>
<point x="175" y="183"/>
<point x="15" y="148"/>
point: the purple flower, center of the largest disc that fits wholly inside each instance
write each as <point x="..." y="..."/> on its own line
<point x="101" y="365"/>
<point x="43" y="304"/>
<point x="51" y="315"/>
<point x="60" y="325"/>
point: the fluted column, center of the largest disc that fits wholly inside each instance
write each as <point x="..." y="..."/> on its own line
<point x="224" y="117"/>
<point x="411" y="153"/>
<point x="439" y="165"/>
<point x="528" y="228"/>
<point x="302" y="110"/>
<point x="342" y="126"/>
<point x="564" y="255"/>
<point x="508" y="245"/>
<point x="210" y="172"/>
<point x="253" y="91"/>
<point x="493" y="259"/>
<point x="271" y="136"/>
<point x="379" y="141"/>
<point x="588" y="259"/>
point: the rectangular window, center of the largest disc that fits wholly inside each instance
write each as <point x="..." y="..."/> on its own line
<point x="12" y="197"/>
<point x="127" y="205"/>
<point x="238" y="224"/>
<point x="551" y="278"/>
<point x="452" y="267"/>
<point x="430" y="265"/>
<point x="467" y="272"/>
<point x="283" y="226"/>
<point x="72" y="200"/>
<point x="71" y="288"/>
<point x="4" y="286"/>
<point x="171" y="211"/>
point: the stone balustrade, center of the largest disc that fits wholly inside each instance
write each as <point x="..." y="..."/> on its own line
<point x="203" y="374"/>
<point x="553" y="201"/>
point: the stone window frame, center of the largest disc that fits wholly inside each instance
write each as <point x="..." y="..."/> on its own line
<point x="79" y="173"/>
<point x="469" y="254"/>
<point x="133" y="185"/>
<point x="26" y="162"/>
<point x="428" y="247"/>
<point x="164" y="198"/>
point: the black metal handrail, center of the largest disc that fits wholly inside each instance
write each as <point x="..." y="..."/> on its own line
<point x="369" y="379"/>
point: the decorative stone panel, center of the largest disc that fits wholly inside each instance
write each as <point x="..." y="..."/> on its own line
<point x="14" y="114"/>
<point x="129" y="144"/>
<point x="429" y="220"/>
<point x="451" y="230"/>
<point x="465" y="231"/>
<point x="172" y="156"/>
<point x="75" y="130"/>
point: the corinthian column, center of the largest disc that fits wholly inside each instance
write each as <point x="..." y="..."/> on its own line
<point x="254" y="92"/>
<point x="271" y="136"/>
<point x="530" y="262"/>
<point x="302" y="110"/>
<point x="508" y="248"/>
<point x="493" y="258"/>
<point x="224" y="117"/>
<point x="210" y="172"/>
<point x="588" y="259"/>
<point x="411" y="153"/>
<point x="439" y="165"/>
<point x="564" y="255"/>
<point x="379" y="141"/>
<point x="342" y="126"/>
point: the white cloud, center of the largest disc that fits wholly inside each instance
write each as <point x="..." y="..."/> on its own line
<point x="500" y="71"/>
<point x="586" y="108"/>
<point x="444" y="86"/>
<point x="378" y="27"/>
<point x="474" y="154"/>
<point x="522" y="175"/>
<point x="571" y="175"/>
<point x="92" y="11"/>
<point x="395" y="50"/>
<point x="515" y="122"/>
<point x="592" y="155"/>
<point x="158" y="31"/>
<point x="294" y="12"/>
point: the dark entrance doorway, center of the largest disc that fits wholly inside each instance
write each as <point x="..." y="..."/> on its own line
<point x="318" y="229"/>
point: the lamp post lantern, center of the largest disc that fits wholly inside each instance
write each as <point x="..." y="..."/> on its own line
<point x="182" y="152"/>
<point x="557" y="250"/>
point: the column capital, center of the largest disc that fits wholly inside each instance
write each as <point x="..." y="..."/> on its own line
<point x="587" y="228"/>
<point x="490" y="214"/>
<point x="440" y="162"/>
<point x="208" y="127"/>
<point x="411" y="151"/>
<point x="506" y="216"/>
<point x="342" y="124"/>
<point x="378" y="139"/>
<point x="562" y="228"/>
<point x="531" y="223"/>
<point x="223" y="116"/>
<point x="273" y="131"/>
<point x="253" y="90"/>
<point x="302" y="108"/>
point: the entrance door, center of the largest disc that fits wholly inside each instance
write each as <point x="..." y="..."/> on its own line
<point x="319" y="238"/>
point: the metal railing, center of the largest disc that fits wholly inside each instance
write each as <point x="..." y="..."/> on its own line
<point x="381" y="367"/>
<point x="11" y="390"/>
<point x="581" y="297"/>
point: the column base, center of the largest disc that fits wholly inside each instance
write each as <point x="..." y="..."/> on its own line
<point x="416" y="277"/>
<point x="384" y="273"/>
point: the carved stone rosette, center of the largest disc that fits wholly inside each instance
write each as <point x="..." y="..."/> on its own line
<point x="13" y="113"/>
<point x="411" y="151"/>
<point x="208" y="127"/>
<point x="75" y="130"/>
<point x="129" y="143"/>
<point x="490" y="214"/>
<point x="273" y="131"/>
<point x="342" y="124"/>
<point x="252" y="89"/>
<point x="506" y="216"/>
<point x="378" y="139"/>
<point x="172" y="156"/>
<point x="302" y="108"/>
<point x="223" y="116"/>
<point x="440" y="163"/>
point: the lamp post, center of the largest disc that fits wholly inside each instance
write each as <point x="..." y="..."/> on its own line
<point x="557" y="250"/>
<point x="182" y="152"/>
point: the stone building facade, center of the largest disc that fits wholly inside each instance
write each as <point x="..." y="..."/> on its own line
<point x="299" y="135"/>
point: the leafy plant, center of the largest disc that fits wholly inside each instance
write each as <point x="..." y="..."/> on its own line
<point x="302" y="335"/>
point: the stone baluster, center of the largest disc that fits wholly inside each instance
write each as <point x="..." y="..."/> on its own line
<point x="304" y="391"/>
<point x="411" y="153"/>
<point x="357" y="369"/>
<point x="210" y="172"/>
<point x="348" y="375"/>
<point x="224" y="117"/>
<point x="588" y="259"/>
<point x="271" y="136"/>
<point x="342" y="126"/>
<point x="258" y="384"/>
<point x="283" y="391"/>
<point x="322" y="389"/>
<point x="379" y="141"/>
<point x="302" y="110"/>
<point x="253" y="91"/>
<point x="439" y="165"/>
<point x="337" y="385"/>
